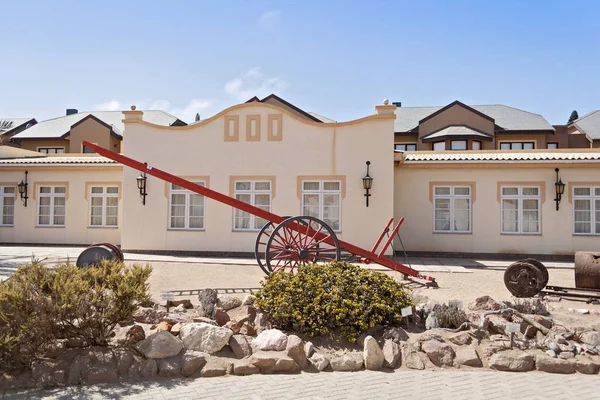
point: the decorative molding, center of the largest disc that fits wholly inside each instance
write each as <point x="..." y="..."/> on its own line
<point x="271" y="178"/>
<point x="235" y="135"/>
<point x="472" y="184"/>
<point x="301" y="178"/>
<point x="275" y="135"/>
<point x="256" y="136"/>
<point x="541" y="184"/>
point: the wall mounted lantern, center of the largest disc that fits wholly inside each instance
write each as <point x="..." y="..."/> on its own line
<point x="23" y="189"/>
<point x="141" y="184"/>
<point x="367" y="183"/>
<point x="560" y="189"/>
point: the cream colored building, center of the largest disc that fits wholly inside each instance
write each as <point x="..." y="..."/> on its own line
<point x="476" y="198"/>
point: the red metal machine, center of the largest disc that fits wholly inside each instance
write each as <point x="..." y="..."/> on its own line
<point x="285" y="243"/>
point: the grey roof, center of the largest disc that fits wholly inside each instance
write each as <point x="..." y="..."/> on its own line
<point x="456" y="130"/>
<point x="57" y="160"/>
<point x="57" y="127"/>
<point x="589" y="124"/>
<point x="321" y="118"/>
<point x="495" y="156"/>
<point x="506" y="117"/>
<point x="15" y="122"/>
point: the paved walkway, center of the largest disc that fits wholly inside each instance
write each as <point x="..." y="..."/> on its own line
<point x="362" y="385"/>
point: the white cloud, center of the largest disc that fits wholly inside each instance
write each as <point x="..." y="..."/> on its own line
<point x="254" y="83"/>
<point x="186" y="113"/>
<point x="269" y="20"/>
<point x="112" y="105"/>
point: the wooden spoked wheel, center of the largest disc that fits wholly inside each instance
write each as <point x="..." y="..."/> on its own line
<point x="260" y="246"/>
<point x="299" y="241"/>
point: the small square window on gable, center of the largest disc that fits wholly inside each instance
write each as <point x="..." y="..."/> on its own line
<point x="275" y="127"/>
<point x="232" y="128"/>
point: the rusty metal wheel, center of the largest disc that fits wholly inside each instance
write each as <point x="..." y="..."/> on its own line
<point x="541" y="266"/>
<point x="299" y="241"/>
<point x="524" y="279"/>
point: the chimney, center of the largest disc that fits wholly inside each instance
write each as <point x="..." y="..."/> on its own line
<point x="397" y="103"/>
<point x="71" y="111"/>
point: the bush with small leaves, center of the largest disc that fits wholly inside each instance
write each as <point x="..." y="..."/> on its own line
<point x="529" y="306"/>
<point x="336" y="299"/>
<point x="449" y="316"/>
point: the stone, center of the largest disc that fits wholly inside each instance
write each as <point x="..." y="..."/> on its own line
<point x="376" y="331"/>
<point x="551" y="353"/>
<point x="591" y="338"/>
<point x="56" y="349"/>
<point x="273" y="362"/>
<point x="245" y="367"/>
<point x="248" y="300"/>
<point x="284" y="365"/>
<point x="192" y="361"/>
<point x="247" y="313"/>
<point x="214" y="367"/>
<point x="159" y="345"/>
<point x="586" y="366"/>
<point x="467" y="355"/>
<point x="566" y="355"/>
<point x="566" y="347"/>
<point x="434" y="334"/>
<point x="554" y="347"/>
<point x="309" y="349"/>
<point x="413" y="361"/>
<point x="319" y="360"/>
<point x="125" y="360"/>
<point x="179" y="309"/>
<point x="512" y="360"/>
<point x="553" y="365"/>
<point x="396" y="334"/>
<point x="261" y="321"/>
<point x="78" y="368"/>
<point x="545" y="322"/>
<point x="431" y="321"/>
<point x="169" y="367"/>
<point x="485" y="303"/>
<point x="347" y="362"/>
<point x="175" y="329"/>
<point x="391" y="354"/>
<point x="235" y="326"/>
<point x="148" y="369"/>
<point x="174" y="318"/>
<point x="440" y="354"/>
<point x="461" y="339"/>
<point x="186" y="303"/>
<point x="204" y="337"/>
<point x="134" y="335"/>
<point x="227" y="302"/>
<point x="206" y="320"/>
<point x="270" y="339"/>
<point x="295" y="349"/>
<point x="42" y="372"/>
<point x="372" y="354"/>
<point x="530" y="332"/>
<point x="147" y="315"/>
<point x="583" y="311"/>
<point x="496" y="324"/>
<point x="247" y="329"/>
<point x="221" y="316"/>
<point x="164" y="326"/>
<point x="207" y="299"/>
<point x="240" y="346"/>
<point x="102" y="374"/>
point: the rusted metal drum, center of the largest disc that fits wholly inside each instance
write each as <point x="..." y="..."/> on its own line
<point x="98" y="252"/>
<point x="587" y="270"/>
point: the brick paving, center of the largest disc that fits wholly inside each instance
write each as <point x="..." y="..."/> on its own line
<point x="400" y="384"/>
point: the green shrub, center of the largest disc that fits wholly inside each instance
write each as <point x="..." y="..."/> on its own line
<point x="449" y="316"/>
<point x="334" y="299"/>
<point x="39" y="305"/>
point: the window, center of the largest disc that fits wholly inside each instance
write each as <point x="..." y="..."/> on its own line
<point x="87" y="150"/>
<point x="586" y="210"/>
<point x="437" y="146"/>
<point x="257" y="193"/>
<point x="51" y="150"/>
<point x="405" y="147"/>
<point x="7" y="202"/>
<point x="52" y="201"/>
<point x="517" y="146"/>
<point x="104" y="206"/>
<point x="458" y="145"/>
<point x="521" y="209"/>
<point x="452" y="209"/>
<point x="186" y="208"/>
<point x="323" y="200"/>
<point x="476" y="145"/>
<point x="552" y="145"/>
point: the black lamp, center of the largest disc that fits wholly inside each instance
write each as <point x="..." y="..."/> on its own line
<point x="141" y="184"/>
<point x="560" y="189"/>
<point x="23" y="189"/>
<point x="367" y="183"/>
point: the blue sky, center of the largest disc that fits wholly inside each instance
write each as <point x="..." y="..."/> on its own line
<point x="337" y="58"/>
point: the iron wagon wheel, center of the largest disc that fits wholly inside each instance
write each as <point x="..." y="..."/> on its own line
<point x="541" y="266"/>
<point x="301" y="240"/>
<point x="261" y="245"/>
<point x="523" y="279"/>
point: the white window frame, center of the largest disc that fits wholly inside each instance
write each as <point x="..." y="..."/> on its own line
<point x="592" y="198"/>
<point x="466" y="142"/>
<point x="252" y="192"/>
<point x="321" y="192"/>
<point x="452" y="196"/>
<point x="520" y="197"/>
<point x="104" y="195"/>
<point x="442" y="142"/>
<point x="39" y="150"/>
<point x="186" y="216"/>
<point x="52" y="195"/>
<point x="4" y="195"/>
<point x="514" y="143"/>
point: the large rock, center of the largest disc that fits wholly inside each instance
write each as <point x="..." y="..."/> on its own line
<point x="261" y="321"/>
<point x="235" y="326"/>
<point x="319" y="360"/>
<point x="295" y="349"/>
<point x="391" y="353"/>
<point x="186" y="303"/>
<point x="512" y="360"/>
<point x="192" y="362"/>
<point x="410" y="357"/>
<point x="147" y="315"/>
<point x="134" y="335"/>
<point x="586" y="366"/>
<point x="309" y="349"/>
<point x="270" y="339"/>
<point x="590" y="337"/>
<point x="164" y="326"/>
<point x="240" y="346"/>
<point x="227" y="302"/>
<point x="169" y="367"/>
<point x="247" y="313"/>
<point x="485" y="303"/>
<point x="204" y="337"/>
<point x="245" y="367"/>
<point x="215" y="367"/>
<point x="102" y="374"/>
<point x="221" y="316"/>
<point x="347" y="362"/>
<point x="460" y="339"/>
<point x="396" y="334"/>
<point x="207" y="299"/>
<point x="159" y="345"/>
<point x="372" y="354"/>
<point x="247" y="329"/>
<point x="440" y="354"/>
<point x="148" y="369"/>
<point x="273" y="362"/>
<point x="555" y="365"/>
<point x="468" y="356"/>
<point x="206" y="320"/>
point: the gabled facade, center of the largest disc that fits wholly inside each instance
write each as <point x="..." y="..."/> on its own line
<point x="587" y="127"/>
